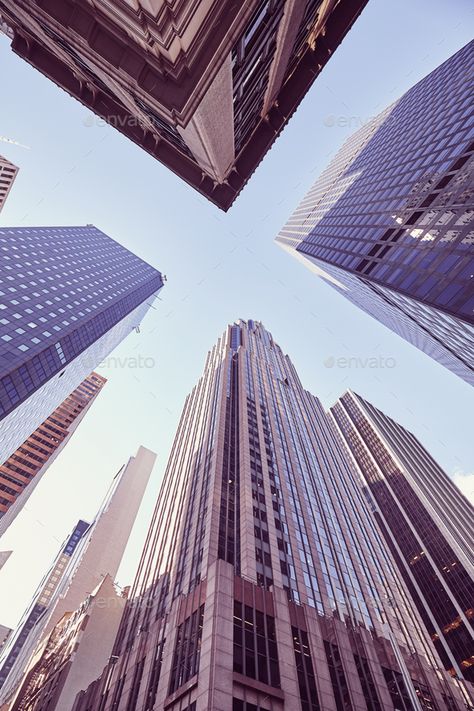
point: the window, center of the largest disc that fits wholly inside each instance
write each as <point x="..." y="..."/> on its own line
<point x="304" y="668"/>
<point x="187" y="650"/>
<point x="397" y="689"/>
<point x="338" y="678"/>
<point x="239" y="705"/>
<point x="255" y="646"/>
<point x="367" y="683"/>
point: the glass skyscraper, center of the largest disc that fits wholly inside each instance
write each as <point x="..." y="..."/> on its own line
<point x="23" y="470"/>
<point x="68" y="296"/>
<point x="264" y="582"/>
<point x="426" y="521"/>
<point x="390" y="221"/>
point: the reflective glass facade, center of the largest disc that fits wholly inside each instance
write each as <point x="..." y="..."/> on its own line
<point x="62" y="291"/>
<point x="391" y="218"/>
<point x="20" y="473"/>
<point x="264" y="582"/>
<point x="427" y="523"/>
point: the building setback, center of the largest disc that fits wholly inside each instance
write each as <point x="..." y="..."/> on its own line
<point x="426" y="521"/>
<point x="23" y="470"/>
<point x="96" y="553"/>
<point x="264" y="582"/>
<point x="8" y="173"/>
<point x="69" y="657"/>
<point x="68" y="296"/>
<point x="390" y="222"/>
<point x="205" y="86"/>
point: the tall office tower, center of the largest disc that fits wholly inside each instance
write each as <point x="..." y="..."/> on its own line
<point x="8" y="173"/>
<point x="23" y="470"/>
<point x="204" y="87"/>
<point x="389" y="223"/>
<point x="40" y="601"/>
<point x="96" y="553"/>
<point x="68" y="296"/>
<point x="426" y="522"/>
<point x="70" y="656"/>
<point x="264" y="582"/>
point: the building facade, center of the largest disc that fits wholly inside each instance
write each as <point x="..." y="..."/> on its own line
<point x="426" y="521"/>
<point x="23" y="470"/>
<point x="68" y="296"/>
<point x="96" y="552"/>
<point x="264" y="582"/>
<point x="41" y="601"/>
<point x="8" y="173"/>
<point x="390" y="221"/>
<point x="205" y="86"/>
<point x="69" y="657"/>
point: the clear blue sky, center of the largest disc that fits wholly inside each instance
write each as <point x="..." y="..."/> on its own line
<point x="220" y="267"/>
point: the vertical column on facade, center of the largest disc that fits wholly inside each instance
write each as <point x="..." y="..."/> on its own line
<point x="287" y="31"/>
<point x="286" y="655"/>
<point x="172" y="622"/>
<point x="247" y="531"/>
<point x="216" y="663"/>
<point x="211" y="536"/>
<point x="210" y="132"/>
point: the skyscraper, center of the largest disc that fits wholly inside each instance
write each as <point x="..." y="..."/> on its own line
<point x="70" y="655"/>
<point x="264" y="582"/>
<point x="68" y="296"/>
<point x="8" y="173"/>
<point x="426" y="521"/>
<point x="41" y="601"/>
<point x="23" y="470"/>
<point x="93" y="551"/>
<point x="389" y="223"/>
<point x="204" y="87"/>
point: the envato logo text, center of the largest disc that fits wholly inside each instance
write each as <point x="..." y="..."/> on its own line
<point x="346" y="121"/>
<point x="353" y="362"/>
<point x="134" y="362"/>
<point x="113" y="120"/>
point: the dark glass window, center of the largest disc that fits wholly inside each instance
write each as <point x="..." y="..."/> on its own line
<point x="338" y="678"/>
<point x="255" y="646"/>
<point x="187" y="650"/>
<point x="397" y="689"/>
<point x="239" y="705"/>
<point x="304" y="669"/>
<point x="154" y="676"/>
<point x="367" y="683"/>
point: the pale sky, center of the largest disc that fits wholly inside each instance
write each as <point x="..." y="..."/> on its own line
<point x="220" y="267"/>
